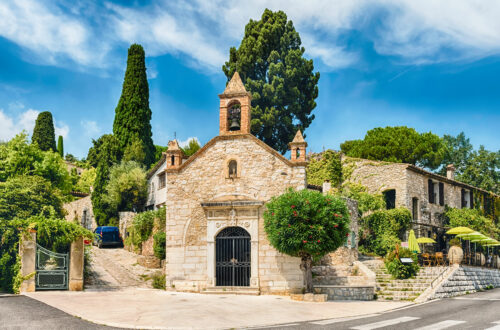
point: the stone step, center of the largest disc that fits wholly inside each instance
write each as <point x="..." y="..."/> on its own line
<point x="339" y="280"/>
<point x="232" y="290"/>
<point x="403" y="285"/>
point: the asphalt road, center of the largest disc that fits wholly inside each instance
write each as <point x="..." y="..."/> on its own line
<point x="474" y="311"/>
<point x="21" y="312"/>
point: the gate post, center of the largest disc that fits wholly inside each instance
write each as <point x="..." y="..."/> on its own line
<point x="76" y="265"/>
<point x="27" y="253"/>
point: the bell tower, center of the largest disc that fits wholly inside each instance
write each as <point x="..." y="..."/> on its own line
<point x="298" y="148"/>
<point x="174" y="155"/>
<point x="235" y="108"/>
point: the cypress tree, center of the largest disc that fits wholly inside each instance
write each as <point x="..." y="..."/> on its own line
<point x="60" y="146"/>
<point x="133" y="115"/>
<point x="107" y="152"/>
<point x="43" y="133"/>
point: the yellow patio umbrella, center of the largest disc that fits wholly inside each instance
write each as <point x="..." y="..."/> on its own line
<point x="412" y="242"/>
<point x="459" y="230"/>
<point x="471" y="236"/>
<point x="425" y="240"/>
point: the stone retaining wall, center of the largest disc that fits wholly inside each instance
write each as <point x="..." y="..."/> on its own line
<point x="346" y="292"/>
<point x="467" y="280"/>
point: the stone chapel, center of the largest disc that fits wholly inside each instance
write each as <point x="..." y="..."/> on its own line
<point x="215" y="203"/>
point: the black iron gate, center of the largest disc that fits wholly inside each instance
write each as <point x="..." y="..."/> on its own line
<point x="51" y="269"/>
<point x="232" y="255"/>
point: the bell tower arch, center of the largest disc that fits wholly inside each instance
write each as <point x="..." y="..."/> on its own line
<point x="235" y="108"/>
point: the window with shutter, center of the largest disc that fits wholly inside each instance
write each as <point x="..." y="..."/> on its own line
<point x="431" y="191"/>
<point x="471" y="200"/>
<point x="441" y="193"/>
<point x="463" y="198"/>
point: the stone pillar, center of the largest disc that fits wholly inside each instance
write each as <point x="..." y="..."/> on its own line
<point x="327" y="186"/>
<point x="76" y="265"/>
<point x="27" y="252"/>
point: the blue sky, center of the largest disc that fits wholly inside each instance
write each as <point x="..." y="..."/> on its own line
<point x="434" y="66"/>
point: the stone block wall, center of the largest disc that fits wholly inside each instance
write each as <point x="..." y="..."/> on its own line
<point x="467" y="280"/>
<point x="347" y="292"/>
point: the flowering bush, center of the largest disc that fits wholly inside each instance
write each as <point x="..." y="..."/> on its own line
<point x="399" y="270"/>
<point x="306" y="224"/>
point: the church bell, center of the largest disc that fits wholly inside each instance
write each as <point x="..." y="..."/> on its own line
<point x="235" y="125"/>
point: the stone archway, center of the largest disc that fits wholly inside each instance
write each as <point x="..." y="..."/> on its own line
<point x="234" y="214"/>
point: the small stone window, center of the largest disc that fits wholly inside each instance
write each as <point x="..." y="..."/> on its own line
<point x="172" y="160"/>
<point x="297" y="153"/>
<point x="233" y="169"/>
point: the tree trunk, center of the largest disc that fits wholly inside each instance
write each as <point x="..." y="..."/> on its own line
<point x="306" y="267"/>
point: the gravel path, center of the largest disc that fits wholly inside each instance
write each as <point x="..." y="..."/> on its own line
<point x="116" y="268"/>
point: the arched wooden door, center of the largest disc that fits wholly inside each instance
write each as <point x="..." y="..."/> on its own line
<point x="232" y="257"/>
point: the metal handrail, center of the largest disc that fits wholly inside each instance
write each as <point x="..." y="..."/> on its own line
<point x="440" y="275"/>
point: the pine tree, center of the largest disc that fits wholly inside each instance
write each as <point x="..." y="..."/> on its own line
<point x="60" y="146"/>
<point x="43" y="133"/>
<point x="133" y="115"/>
<point x="282" y="81"/>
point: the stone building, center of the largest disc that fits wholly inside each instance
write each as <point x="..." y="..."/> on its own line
<point x="215" y="203"/>
<point x="81" y="211"/>
<point x="424" y="193"/>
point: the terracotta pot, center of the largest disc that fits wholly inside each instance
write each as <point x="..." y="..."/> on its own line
<point x="455" y="255"/>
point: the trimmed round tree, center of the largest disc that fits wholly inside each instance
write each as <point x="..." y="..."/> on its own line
<point x="306" y="224"/>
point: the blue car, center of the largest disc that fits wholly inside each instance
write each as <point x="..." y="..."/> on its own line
<point x="107" y="236"/>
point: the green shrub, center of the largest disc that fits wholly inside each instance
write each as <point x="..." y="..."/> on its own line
<point x="306" y="224"/>
<point x="399" y="270"/>
<point x="159" y="281"/>
<point x="381" y="230"/>
<point x="143" y="226"/>
<point x="159" y="245"/>
<point x="473" y="219"/>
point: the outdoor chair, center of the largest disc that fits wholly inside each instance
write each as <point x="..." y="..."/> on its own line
<point x="439" y="259"/>
<point x="426" y="259"/>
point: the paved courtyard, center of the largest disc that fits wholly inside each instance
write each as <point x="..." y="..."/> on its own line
<point x="149" y="308"/>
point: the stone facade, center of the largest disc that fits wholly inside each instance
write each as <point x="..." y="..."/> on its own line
<point x="82" y="212"/>
<point x="202" y="200"/>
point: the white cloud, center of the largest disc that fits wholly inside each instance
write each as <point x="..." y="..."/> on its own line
<point x="25" y="121"/>
<point x="201" y="32"/>
<point x="185" y="143"/>
<point x="46" y="31"/>
<point x="90" y="128"/>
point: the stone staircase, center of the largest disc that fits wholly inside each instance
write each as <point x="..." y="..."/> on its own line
<point x="408" y="289"/>
<point x="342" y="282"/>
